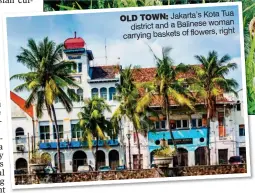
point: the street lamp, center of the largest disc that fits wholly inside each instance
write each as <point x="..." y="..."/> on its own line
<point x="129" y="136"/>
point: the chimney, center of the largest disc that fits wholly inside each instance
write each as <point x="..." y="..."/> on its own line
<point x="75" y="34"/>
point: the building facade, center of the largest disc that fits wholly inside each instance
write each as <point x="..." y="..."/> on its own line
<point x="22" y="131"/>
<point x="227" y="130"/>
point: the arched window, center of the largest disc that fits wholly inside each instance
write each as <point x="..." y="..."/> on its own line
<point x="20" y="136"/>
<point x="112" y="92"/>
<point x="94" y="92"/>
<point x="100" y="156"/>
<point x="62" y="160"/>
<point x="183" y="156"/>
<point x="113" y="159"/>
<point x="21" y="164"/>
<point x="80" y="93"/>
<point x="103" y="93"/>
<point x="79" y="159"/>
<point x="200" y="156"/>
<point x="20" y="131"/>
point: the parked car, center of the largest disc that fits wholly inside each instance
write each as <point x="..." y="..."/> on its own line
<point x="104" y="168"/>
<point x="50" y="170"/>
<point x="85" y="168"/>
<point x="236" y="160"/>
<point x="121" y="168"/>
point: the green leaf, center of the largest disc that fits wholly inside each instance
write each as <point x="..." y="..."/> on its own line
<point x="66" y="7"/>
<point x="79" y="6"/>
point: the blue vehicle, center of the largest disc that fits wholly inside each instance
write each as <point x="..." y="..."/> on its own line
<point x="104" y="169"/>
<point x="121" y="168"/>
<point x="50" y="170"/>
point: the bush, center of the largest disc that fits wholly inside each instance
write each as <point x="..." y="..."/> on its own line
<point x="164" y="152"/>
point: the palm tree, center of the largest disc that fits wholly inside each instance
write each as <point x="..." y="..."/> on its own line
<point x="127" y="95"/>
<point x="49" y="79"/>
<point x="210" y="82"/>
<point x="93" y="122"/>
<point x="100" y="4"/>
<point x="166" y="86"/>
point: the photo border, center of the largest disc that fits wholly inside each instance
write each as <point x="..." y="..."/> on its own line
<point x="126" y="181"/>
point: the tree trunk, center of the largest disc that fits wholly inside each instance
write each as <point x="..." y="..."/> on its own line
<point x="167" y="107"/>
<point x="139" y="148"/>
<point x="57" y="134"/>
<point x="208" y="158"/>
<point x="96" y="154"/>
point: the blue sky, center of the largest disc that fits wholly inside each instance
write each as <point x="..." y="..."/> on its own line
<point x="94" y="28"/>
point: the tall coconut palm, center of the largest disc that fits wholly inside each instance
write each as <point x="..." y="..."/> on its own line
<point x="127" y="95"/>
<point x="94" y="124"/>
<point x="48" y="80"/>
<point x="166" y="86"/>
<point x="210" y="81"/>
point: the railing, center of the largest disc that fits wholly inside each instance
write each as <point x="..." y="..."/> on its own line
<point x="21" y="139"/>
<point x="71" y="144"/>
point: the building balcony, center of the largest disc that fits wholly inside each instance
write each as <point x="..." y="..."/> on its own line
<point x="77" y="144"/>
<point x="75" y="50"/>
<point x="21" y="139"/>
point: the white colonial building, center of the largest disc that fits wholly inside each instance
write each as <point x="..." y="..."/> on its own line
<point x="228" y="131"/>
<point x="22" y="131"/>
<point x="226" y="134"/>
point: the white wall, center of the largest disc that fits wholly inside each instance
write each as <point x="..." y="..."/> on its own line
<point x="22" y="120"/>
<point x="233" y="141"/>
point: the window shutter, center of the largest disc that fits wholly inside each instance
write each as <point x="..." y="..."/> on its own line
<point x="204" y="120"/>
<point x="135" y="137"/>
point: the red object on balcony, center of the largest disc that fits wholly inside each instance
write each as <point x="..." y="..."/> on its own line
<point x="135" y="137"/>
<point x="74" y="43"/>
<point x="222" y="131"/>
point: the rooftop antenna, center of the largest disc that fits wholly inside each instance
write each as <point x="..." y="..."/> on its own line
<point x="105" y="53"/>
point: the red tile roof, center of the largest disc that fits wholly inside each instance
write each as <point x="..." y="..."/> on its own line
<point x="143" y="74"/>
<point x="105" y="72"/>
<point x="21" y="103"/>
<point x="158" y="101"/>
<point x="147" y="74"/>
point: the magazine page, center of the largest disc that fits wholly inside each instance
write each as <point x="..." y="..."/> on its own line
<point x="8" y="6"/>
<point x="121" y="96"/>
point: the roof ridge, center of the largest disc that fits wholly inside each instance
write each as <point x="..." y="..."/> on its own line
<point x="21" y="103"/>
<point x="106" y="65"/>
